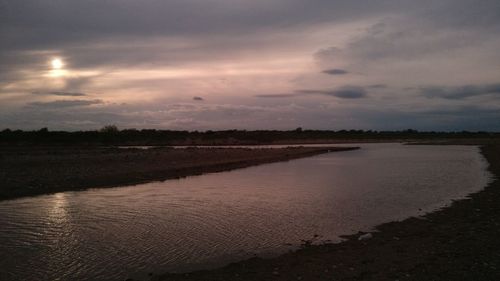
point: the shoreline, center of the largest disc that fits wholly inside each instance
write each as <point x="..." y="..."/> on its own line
<point x="458" y="242"/>
<point x="31" y="171"/>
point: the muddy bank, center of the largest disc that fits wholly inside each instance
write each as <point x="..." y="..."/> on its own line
<point x="460" y="242"/>
<point x="26" y="171"/>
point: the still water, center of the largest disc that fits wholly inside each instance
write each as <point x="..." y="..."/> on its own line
<point x="209" y="220"/>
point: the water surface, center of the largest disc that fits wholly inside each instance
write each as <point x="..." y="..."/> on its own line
<point x="208" y="220"/>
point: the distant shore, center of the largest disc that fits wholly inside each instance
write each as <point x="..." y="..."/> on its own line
<point x="460" y="242"/>
<point x="112" y="136"/>
<point x="34" y="170"/>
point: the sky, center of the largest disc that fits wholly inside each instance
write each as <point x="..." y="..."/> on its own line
<point x="250" y="64"/>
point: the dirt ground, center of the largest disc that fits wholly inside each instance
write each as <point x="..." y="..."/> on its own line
<point x="26" y="171"/>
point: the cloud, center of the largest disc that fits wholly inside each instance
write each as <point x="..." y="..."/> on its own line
<point x="349" y="93"/>
<point x="422" y="46"/>
<point x="377" y="86"/>
<point x="68" y="94"/>
<point x="285" y="115"/>
<point x="258" y="47"/>
<point x="440" y="118"/>
<point x="462" y="92"/>
<point x="198" y="99"/>
<point x="335" y="71"/>
<point x="346" y="92"/>
<point x="64" y="103"/>
<point x="43" y="25"/>
<point x="276" y="96"/>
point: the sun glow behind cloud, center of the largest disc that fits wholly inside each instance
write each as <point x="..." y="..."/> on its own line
<point x="56" y="63"/>
<point x="57" y="68"/>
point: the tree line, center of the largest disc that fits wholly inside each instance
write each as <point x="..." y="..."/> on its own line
<point x="111" y="135"/>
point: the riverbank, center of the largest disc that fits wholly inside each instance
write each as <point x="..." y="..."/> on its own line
<point x="27" y="171"/>
<point x="460" y="242"/>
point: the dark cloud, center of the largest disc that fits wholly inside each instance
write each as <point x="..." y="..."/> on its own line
<point x="429" y="30"/>
<point x="203" y="116"/>
<point x="42" y="24"/>
<point x="34" y="118"/>
<point x="462" y="92"/>
<point x="67" y="94"/>
<point x="469" y="118"/>
<point x="71" y="26"/>
<point x="198" y="99"/>
<point x="58" y="25"/>
<point x="347" y="92"/>
<point x="276" y="96"/>
<point x="64" y="103"/>
<point x="335" y="71"/>
<point x="377" y="86"/>
<point x="350" y="93"/>
<point x="76" y="83"/>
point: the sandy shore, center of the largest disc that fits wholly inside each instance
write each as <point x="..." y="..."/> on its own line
<point x="26" y="171"/>
<point x="461" y="242"/>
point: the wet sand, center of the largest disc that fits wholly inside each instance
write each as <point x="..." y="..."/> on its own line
<point x="27" y="171"/>
<point x="460" y="242"/>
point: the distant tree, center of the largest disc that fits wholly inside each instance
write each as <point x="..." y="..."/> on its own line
<point x="109" y="129"/>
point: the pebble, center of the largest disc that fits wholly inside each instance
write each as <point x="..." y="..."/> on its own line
<point x="365" y="236"/>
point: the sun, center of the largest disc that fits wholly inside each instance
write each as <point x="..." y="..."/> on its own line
<point x="57" y="68"/>
<point x="56" y="63"/>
